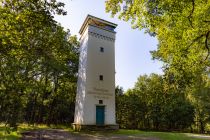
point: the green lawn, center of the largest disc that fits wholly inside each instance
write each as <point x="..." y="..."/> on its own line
<point x="161" y="135"/>
<point x="16" y="135"/>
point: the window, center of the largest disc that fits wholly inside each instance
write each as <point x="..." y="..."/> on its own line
<point x="100" y="101"/>
<point x="101" y="49"/>
<point x="101" y="78"/>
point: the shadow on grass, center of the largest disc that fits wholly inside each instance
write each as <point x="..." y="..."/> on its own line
<point x="17" y="135"/>
<point x="10" y="136"/>
<point x="22" y="128"/>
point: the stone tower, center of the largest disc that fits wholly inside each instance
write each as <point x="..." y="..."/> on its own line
<point x="95" y="100"/>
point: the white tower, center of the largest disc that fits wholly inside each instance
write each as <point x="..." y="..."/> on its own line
<point x="95" y="100"/>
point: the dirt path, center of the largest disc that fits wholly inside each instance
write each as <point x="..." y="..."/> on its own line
<point x="58" y="134"/>
<point x="205" y="137"/>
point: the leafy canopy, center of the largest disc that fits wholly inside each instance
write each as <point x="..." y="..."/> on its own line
<point x="181" y="27"/>
<point x="38" y="63"/>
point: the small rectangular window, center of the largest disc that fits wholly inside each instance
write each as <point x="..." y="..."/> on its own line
<point x="101" y="78"/>
<point x="101" y="49"/>
<point x="100" y="101"/>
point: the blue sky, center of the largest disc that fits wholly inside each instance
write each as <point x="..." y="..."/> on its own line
<point x="132" y="57"/>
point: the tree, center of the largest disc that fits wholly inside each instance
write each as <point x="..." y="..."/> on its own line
<point x="181" y="27"/>
<point x="199" y="96"/>
<point x="38" y="65"/>
<point x="178" y="113"/>
<point x="149" y="106"/>
<point x="150" y="89"/>
<point x="130" y="110"/>
<point x="118" y="91"/>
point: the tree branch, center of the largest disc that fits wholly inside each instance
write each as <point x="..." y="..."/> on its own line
<point x="194" y="40"/>
<point x="191" y="13"/>
<point x="206" y="21"/>
<point x="206" y="45"/>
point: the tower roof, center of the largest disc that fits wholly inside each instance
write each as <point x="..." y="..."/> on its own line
<point x="92" y="20"/>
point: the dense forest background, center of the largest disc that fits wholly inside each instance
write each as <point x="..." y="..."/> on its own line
<point x="39" y="64"/>
<point x="151" y="106"/>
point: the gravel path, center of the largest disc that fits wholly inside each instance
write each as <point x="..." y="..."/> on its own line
<point x="58" y="134"/>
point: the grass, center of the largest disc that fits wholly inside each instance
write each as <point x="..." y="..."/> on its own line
<point x="16" y="135"/>
<point x="143" y="134"/>
<point x="160" y="135"/>
<point x="11" y="136"/>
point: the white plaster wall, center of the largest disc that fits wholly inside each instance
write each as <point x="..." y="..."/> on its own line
<point x="92" y="64"/>
<point x="81" y="82"/>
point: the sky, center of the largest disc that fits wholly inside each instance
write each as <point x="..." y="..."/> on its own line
<point x="132" y="46"/>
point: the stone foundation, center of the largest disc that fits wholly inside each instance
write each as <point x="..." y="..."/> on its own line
<point x="79" y="127"/>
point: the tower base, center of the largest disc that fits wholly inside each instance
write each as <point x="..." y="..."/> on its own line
<point x="79" y="127"/>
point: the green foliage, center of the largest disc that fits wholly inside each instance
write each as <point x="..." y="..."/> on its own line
<point x="178" y="113"/>
<point x="149" y="106"/>
<point x="130" y="111"/>
<point x="200" y="97"/>
<point x="38" y="64"/>
<point x="182" y="29"/>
